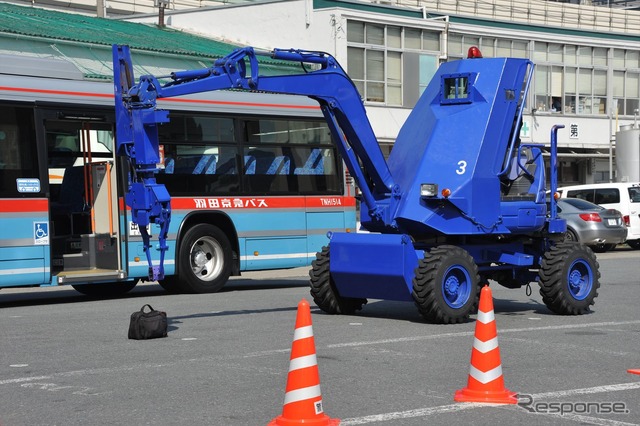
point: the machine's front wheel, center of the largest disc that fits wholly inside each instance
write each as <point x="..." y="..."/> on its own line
<point x="445" y="286"/>
<point x="324" y="292"/>
<point x="569" y="279"/>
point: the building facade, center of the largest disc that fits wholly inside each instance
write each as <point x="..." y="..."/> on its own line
<point x="587" y="59"/>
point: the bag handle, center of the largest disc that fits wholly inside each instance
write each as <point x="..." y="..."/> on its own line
<point x="150" y="308"/>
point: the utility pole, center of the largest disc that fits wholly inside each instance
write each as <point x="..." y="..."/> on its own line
<point x="101" y="9"/>
<point x="161" y="5"/>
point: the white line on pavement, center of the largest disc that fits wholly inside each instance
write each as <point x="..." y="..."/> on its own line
<point x="22" y="379"/>
<point x="471" y="333"/>
<point x="424" y="412"/>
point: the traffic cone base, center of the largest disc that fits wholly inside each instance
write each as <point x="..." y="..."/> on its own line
<point x="322" y="421"/>
<point x="497" y="397"/>
<point x="303" y="399"/>
<point x="633" y="371"/>
<point x="486" y="383"/>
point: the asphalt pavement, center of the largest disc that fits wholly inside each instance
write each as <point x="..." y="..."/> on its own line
<point x="66" y="359"/>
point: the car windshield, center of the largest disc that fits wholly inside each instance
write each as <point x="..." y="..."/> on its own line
<point x="581" y="204"/>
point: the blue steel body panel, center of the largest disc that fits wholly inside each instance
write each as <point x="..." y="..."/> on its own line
<point x="377" y="266"/>
<point x="461" y="147"/>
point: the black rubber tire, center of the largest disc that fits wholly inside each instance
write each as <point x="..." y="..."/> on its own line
<point x="204" y="261"/>
<point x="634" y="244"/>
<point x="556" y="271"/>
<point x="114" y="289"/>
<point x="431" y="275"/>
<point x="171" y="284"/>
<point x="602" y="248"/>
<point x="324" y="292"/>
<point x="571" y="235"/>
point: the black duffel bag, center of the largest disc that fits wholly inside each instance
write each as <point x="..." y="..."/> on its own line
<point x="148" y="325"/>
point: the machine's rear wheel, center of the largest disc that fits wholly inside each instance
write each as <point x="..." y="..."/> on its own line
<point x="105" y="290"/>
<point x="445" y="286"/>
<point x="324" y="292"/>
<point x="569" y="279"/>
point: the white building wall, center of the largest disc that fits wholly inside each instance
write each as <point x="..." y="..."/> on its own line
<point x="265" y="25"/>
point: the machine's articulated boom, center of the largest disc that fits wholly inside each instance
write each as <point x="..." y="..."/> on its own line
<point x="327" y="83"/>
<point x="137" y="140"/>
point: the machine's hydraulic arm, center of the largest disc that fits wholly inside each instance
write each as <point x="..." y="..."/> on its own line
<point x="137" y="140"/>
<point x="327" y="83"/>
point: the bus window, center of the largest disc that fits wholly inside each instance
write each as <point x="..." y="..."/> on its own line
<point x="265" y="131"/>
<point x="287" y="170"/>
<point x="195" y="128"/>
<point x="200" y="169"/>
<point x="18" y="156"/>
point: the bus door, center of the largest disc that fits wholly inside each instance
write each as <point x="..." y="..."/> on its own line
<point x="85" y="240"/>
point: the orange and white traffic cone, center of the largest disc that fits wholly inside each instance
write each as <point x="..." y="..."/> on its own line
<point x="486" y="383"/>
<point x="633" y="371"/>
<point x="302" y="399"/>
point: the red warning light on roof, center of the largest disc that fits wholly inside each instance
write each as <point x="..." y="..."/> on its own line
<point x="474" y="52"/>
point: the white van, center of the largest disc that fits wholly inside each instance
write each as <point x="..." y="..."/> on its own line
<point x="622" y="196"/>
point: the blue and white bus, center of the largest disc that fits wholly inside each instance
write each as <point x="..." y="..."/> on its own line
<point x="255" y="180"/>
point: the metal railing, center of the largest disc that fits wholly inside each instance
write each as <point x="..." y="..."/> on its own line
<point x="534" y="12"/>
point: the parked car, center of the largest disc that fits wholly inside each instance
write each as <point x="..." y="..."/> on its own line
<point x="622" y="196"/>
<point x="599" y="228"/>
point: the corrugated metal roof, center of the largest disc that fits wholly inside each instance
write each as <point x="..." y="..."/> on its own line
<point x="51" y="24"/>
<point x="86" y="42"/>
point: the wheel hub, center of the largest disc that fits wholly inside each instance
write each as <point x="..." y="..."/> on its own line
<point x="451" y="286"/>
<point x="579" y="280"/>
<point x="456" y="286"/>
<point x="200" y="258"/>
<point x="575" y="280"/>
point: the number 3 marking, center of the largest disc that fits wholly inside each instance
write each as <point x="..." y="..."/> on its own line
<point x="462" y="168"/>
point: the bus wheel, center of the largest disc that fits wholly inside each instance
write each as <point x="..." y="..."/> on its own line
<point x="105" y="290"/>
<point x="204" y="260"/>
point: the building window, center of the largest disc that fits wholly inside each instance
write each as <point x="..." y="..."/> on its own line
<point x="389" y="64"/>
<point x="549" y="89"/>
<point x="626" y="79"/>
<point x="570" y="79"/>
<point x="458" y="45"/>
